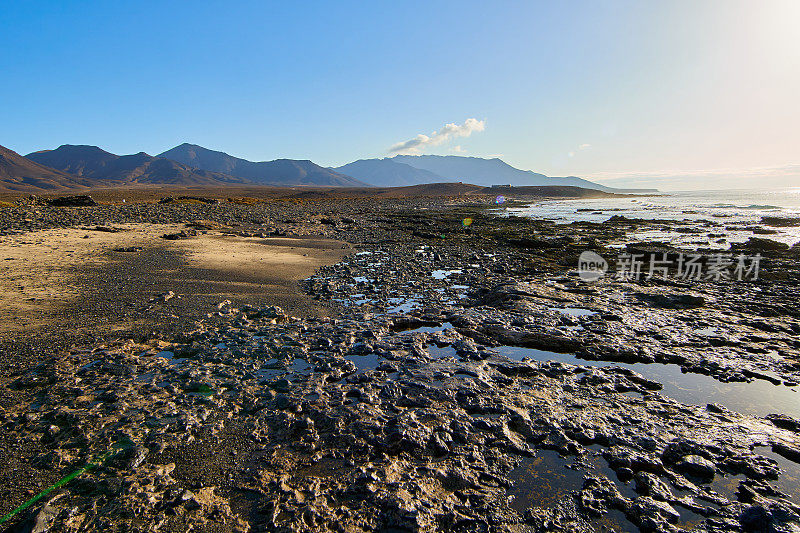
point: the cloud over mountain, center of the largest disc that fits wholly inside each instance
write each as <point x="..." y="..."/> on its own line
<point x="447" y="132"/>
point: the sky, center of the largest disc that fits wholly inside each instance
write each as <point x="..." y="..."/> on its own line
<point x="672" y="94"/>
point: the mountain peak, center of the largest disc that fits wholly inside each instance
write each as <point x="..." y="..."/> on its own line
<point x="78" y="148"/>
<point x="276" y="172"/>
<point x="18" y="173"/>
<point x="103" y="168"/>
<point x="417" y="169"/>
<point x="387" y="172"/>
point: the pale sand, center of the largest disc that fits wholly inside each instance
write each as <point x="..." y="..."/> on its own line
<point x="46" y="272"/>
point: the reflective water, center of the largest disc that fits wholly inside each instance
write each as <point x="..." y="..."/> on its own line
<point x="429" y="329"/>
<point x="758" y="398"/>
<point x="402" y="305"/>
<point x="574" y="311"/>
<point x="732" y="213"/>
<point x="548" y="479"/>
<point x="438" y="353"/>
<point x="442" y="274"/>
<point x="364" y="362"/>
<point x="789" y="480"/>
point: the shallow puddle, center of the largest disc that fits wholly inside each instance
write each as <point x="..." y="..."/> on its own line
<point x="439" y="353"/>
<point x="364" y="362"/>
<point x="427" y="329"/>
<point x="709" y="331"/>
<point x="727" y="486"/>
<point x="402" y="305"/>
<point x="688" y="518"/>
<point x="615" y="520"/>
<point x="574" y="311"/>
<point x="545" y="480"/>
<point x="789" y="480"/>
<point x="757" y="398"/>
<point x="442" y="274"/>
<point x="542" y="481"/>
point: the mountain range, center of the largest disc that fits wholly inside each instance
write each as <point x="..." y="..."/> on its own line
<point x="389" y="173"/>
<point x="105" y="168"/>
<point x="417" y="169"/>
<point x="277" y="172"/>
<point x="18" y="173"/>
<point x="83" y="166"/>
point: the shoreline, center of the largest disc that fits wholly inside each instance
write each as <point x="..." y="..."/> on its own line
<point x="408" y="406"/>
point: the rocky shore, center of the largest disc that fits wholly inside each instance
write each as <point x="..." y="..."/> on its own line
<point x="467" y="378"/>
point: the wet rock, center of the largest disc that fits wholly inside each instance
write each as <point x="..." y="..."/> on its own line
<point x="758" y="244"/>
<point x="780" y="221"/>
<point x="785" y="422"/>
<point x="600" y="495"/>
<point x="754" y="466"/>
<point x="648" y="484"/>
<point x="679" y="448"/>
<point x="755" y="518"/>
<point x="619" y="457"/>
<point x="652" y="515"/>
<point x="696" y="466"/>
<point x="438" y="444"/>
<point x="420" y="443"/>
<point x="790" y="452"/>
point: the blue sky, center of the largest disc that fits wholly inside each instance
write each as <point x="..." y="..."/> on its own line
<point x="677" y="93"/>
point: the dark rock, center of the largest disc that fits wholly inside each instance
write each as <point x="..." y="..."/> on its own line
<point x="757" y="244"/>
<point x="790" y="452"/>
<point x="200" y="199"/>
<point x="81" y="200"/>
<point x="785" y="422"/>
<point x="753" y="466"/>
<point x="696" y="466"/>
<point x="651" y="485"/>
<point x="680" y="448"/>
<point x="281" y="385"/>
<point x="648" y="512"/>
<point x="183" y="234"/>
<point x="672" y="301"/>
<point x="780" y="221"/>
<point x="755" y="518"/>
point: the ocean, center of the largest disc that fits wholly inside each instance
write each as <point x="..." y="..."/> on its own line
<point x="729" y="216"/>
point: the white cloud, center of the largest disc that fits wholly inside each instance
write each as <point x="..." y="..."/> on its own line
<point x="457" y="148"/>
<point x="448" y="131"/>
<point x="584" y="146"/>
